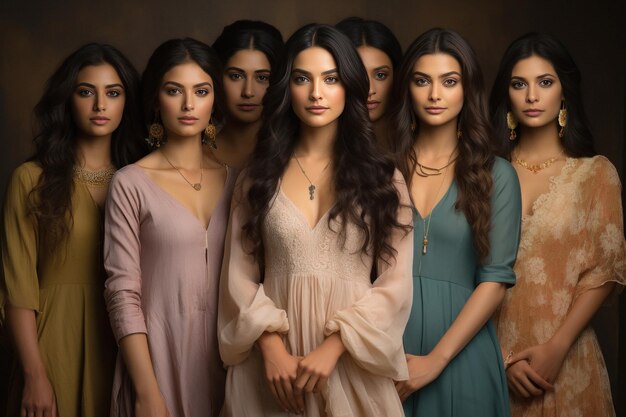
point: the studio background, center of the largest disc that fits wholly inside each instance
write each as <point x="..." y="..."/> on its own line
<point x="36" y="35"/>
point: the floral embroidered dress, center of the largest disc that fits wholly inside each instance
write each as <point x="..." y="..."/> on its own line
<point x="572" y="241"/>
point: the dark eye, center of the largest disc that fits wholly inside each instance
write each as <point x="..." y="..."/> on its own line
<point x="546" y="83"/>
<point x="421" y="82"/>
<point x="380" y="76"/>
<point x="517" y="85"/>
<point x="332" y="79"/>
<point x="202" y="92"/>
<point x="263" y="78"/>
<point x="85" y="93"/>
<point x="235" y="76"/>
<point x="114" y="93"/>
<point x="300" y="79"/>
<point x="450" y="82"/>
<point x="173" y="91"/>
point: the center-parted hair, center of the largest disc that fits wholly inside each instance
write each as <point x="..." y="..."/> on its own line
<point x="577" y="139"/>
<point x="176" y="52"/>
<point x="362" y="179"/>
<point x="472" y="171"/>
<point x="249" y="34"/>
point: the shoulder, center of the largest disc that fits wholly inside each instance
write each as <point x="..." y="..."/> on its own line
<point x="503" y="173"/>
<point x="597" y="170"/>
<point x="127" y="177"/>
<point x="25" y="176"/>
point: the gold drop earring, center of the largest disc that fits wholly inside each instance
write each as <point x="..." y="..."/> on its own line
<point x="210" y="132"/>
<point x="511" y="123"/>
<point x="562" y="119"/>
<point x="156" y="133"/>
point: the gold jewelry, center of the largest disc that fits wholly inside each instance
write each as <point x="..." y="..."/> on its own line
<point x="197" y="185"/>
<point x="430" y="215"/>
<point x="511" y="123"/>
<point x="562" y="119"/>
<point x="210" y="132"/>
<point x="426" y="171"/>
<point x="156" y="135"/>
<point x="311" y="185"/>
<point x="535" y="168"/>
<point x="97" y="179"/>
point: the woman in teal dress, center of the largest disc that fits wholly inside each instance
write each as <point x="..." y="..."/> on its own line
<point x="467" y="210"/>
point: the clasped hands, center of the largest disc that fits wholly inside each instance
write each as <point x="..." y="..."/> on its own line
<point x="290" y="377"/>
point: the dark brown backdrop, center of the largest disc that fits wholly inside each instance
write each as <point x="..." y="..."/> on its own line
<point x="36" y="35"/>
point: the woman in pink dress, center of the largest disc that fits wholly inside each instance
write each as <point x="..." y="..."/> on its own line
<point x="164" y="234"/>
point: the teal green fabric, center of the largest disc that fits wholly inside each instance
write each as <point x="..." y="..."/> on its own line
<point x="474" y="383"/>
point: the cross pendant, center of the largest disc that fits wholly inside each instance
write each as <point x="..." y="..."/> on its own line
<point x="311" y="192"/>
<point x="424" y="246"/>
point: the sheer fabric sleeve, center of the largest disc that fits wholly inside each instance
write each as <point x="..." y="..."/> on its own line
<point x="20" y="284"/>
<point x="245" y="312"/>
<point x="605" y="230"/>
<point x="506" y="214"/>
<point x="371" y="329"/>
<point x="122" y="247"/>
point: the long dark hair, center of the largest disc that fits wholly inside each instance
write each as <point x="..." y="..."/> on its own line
<point x="249" y="34"/>
<point x="472" y="171"/>
<point x="55" y="140"/>
<point x="174" y="52"/>
<point x="362" y="179"/>
<point x="363" y="32"/>
<point x="577" y="139"/>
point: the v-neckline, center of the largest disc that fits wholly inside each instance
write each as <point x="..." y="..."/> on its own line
<point x="181" y="205"/>
<point x="299" y="212"/>
<point x="552" y="185"/>
<point x="432" y="210"/>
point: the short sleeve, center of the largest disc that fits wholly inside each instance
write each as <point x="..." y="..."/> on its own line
<point x="122" y="248"/>
<point x="20" y="286"/>
<point x="504" y="236"/>
<point x="245" y="312"/>
<point x="604" y="228"/>
<point x="371" y="329"/>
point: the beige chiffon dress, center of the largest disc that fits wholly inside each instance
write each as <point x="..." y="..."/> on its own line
<point x="572" y="241"/>
<point x="315" y="286"/>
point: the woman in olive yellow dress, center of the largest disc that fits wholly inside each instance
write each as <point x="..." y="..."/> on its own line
<point x="571" y="255"/>
<point x="51" y="295"/>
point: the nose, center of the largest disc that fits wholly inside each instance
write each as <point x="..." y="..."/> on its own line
<point x="532" y="94"/>
<point x="315" y="90"/>
<point x="248" y="91"/>
<point x="434" y="92"/>
<point x="99" y="103"/>
<point x="188" y="103"/>
<point x="372" y="90"/>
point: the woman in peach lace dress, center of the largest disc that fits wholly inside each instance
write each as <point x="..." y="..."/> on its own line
<point x="571" y="255"/>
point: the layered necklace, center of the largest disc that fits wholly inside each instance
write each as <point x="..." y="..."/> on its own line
<point x="312" y="187"/>
<point x="96" y="179"/>
<point x="425" y="171"/>
<point x="196" y="185"/>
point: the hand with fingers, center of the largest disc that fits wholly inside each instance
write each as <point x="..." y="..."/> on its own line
<point x="524" y="381"/>
<point x="281" y="372"/>
<point x="38" y="399"/>
<point x="545" y="359"/>
<point x="422" y="371"/>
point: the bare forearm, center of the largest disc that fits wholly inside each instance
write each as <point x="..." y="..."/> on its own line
<point x="477" y="310"/>
<point x="23" y="326"/>
<point x="582" y="311"/>
<point x="136" y="356"/>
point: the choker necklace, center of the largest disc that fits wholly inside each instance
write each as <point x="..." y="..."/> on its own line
<point x="311" y="185"/>
<point x="426" y="171"/>
<point x="535" y="168"/>
<point x="196" y="185"/>
<point x="97" y="179"/>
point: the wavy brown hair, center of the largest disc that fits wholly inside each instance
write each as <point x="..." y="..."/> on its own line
<point x="362" y="178"/>
<point x="50" y="201"/>
<point x="475" y="153"/>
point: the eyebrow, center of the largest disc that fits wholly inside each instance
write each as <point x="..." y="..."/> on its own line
<point x="547" y="74"/>
<point x="182" y="86"/>
<point x="382" y="67"/>
<point x="242" y="70"/>
<point x="94" y="87"/>
<point x="447" y="74"/>
<point x="330" y="71"/>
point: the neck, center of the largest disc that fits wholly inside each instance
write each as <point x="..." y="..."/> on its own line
<point x="434" y="142"/>
<point x="240" y="135"/>
<point x="317" y="142"/>
<point x="540" y="142"/>
<point x="183" y="152"/>
<point x="94" y="153"/>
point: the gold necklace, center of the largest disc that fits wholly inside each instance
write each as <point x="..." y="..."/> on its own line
<point x="97" y="179"/>
<point x="535" y="168"/>
<point x="311" y="185"/>
<point x="426" y="171"/>
<point x="426" y="226"/>
<point x="197" y="185"/>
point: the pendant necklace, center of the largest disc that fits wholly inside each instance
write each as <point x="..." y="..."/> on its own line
<point x="426" y="225"/>
<point x="535" y="168"/>
<point x="311" y="185"/>
<point x="196" y="185"/>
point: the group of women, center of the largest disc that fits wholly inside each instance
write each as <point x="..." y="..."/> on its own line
<point x="325" y="227"/>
